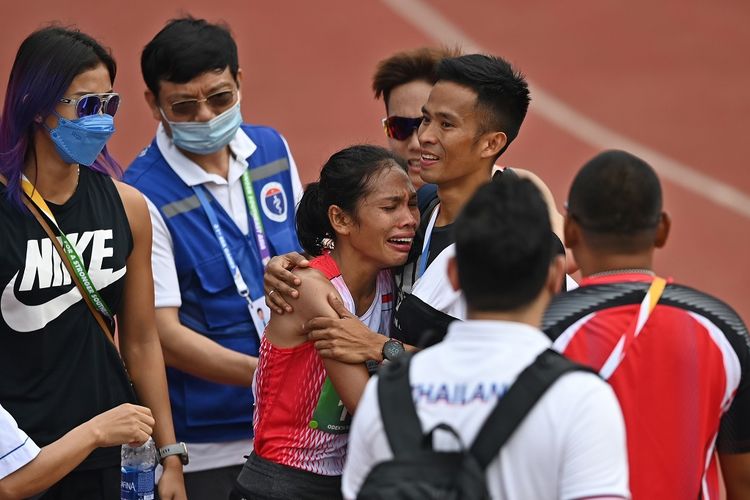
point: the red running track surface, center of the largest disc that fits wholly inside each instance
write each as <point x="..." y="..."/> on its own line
<point x="671" y="76"/>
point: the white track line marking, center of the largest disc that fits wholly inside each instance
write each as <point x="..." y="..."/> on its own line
<point x="436" y="26"/>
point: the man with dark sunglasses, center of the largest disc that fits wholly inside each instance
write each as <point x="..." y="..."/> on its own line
<point x="405" y="80"/>
<point x="221" y="197"/>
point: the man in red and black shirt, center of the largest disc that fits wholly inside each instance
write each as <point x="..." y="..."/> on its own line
<point x="678" y="359"/>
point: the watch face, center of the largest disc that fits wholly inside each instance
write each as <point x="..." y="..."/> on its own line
<point x="392" y="349"/>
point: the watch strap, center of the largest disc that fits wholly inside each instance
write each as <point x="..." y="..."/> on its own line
<point x="174" y="449"/>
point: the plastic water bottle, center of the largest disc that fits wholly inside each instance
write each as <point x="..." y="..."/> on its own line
<point x="137" y="466"/>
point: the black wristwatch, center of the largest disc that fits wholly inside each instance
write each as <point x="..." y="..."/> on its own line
<point x="174" y="449"/>
<point x="392" y="349"/>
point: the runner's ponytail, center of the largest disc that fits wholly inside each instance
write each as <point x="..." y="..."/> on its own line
<point x="312" y="220"/>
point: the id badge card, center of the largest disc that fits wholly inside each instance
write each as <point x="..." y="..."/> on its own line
<point x="260" y="313"/>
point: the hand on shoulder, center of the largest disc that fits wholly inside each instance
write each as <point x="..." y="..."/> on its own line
<point x="314" y="289"/>
<point x="287" y="330"/>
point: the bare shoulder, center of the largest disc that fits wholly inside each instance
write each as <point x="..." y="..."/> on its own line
<point x="132" y="199"/>
<point x="136" y="210"/>
<point x="313" y="293"/>
<point x="287" y="330"/>
<point x="538" y="182"/>
<point x="549" y="198"/>
<point x="311" y="273"/>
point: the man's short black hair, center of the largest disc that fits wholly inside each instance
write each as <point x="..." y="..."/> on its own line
<point x="616" y="198"/>
<point x="186" y="48"/>
<point x="502" y="92"/>
<point x="504" y="245"/>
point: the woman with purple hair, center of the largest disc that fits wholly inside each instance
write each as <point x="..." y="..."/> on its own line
<point x="59" y="366"/>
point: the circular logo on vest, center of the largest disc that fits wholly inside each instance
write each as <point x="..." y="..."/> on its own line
<point x="273" y="201"/>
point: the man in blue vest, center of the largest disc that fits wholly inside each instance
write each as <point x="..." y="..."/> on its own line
<point x="221" y="196"/>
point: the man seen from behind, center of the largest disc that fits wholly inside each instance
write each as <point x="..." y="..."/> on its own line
<point x="677" y="358"/>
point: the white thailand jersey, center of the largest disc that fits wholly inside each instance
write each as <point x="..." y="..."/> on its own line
<point x="571" y="445"/>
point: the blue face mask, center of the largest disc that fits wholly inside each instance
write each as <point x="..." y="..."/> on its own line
<point x="206" y="137"/>
<point x="81" y="140"/>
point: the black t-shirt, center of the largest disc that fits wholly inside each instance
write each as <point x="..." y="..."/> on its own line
<point x="57" y="369"/>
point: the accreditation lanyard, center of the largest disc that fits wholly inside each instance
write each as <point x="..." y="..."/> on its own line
<point x="422" y="263"/>
<point x="70" y="252"/>
<point x="252" y="207"/>
<point x="234" y="269"/>
<point x="654" y="293"/>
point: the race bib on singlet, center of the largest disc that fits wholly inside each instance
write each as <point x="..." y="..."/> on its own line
<point x="330" y="414"/>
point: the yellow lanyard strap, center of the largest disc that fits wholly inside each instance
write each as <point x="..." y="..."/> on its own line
<point x="634" y="329"/>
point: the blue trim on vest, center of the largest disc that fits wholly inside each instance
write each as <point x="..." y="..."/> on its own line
<point x="204" y="411"/>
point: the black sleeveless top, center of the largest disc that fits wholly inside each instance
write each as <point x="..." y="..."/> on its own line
<point x="56" y="368"/>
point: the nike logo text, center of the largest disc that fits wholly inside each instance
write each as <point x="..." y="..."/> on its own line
<point x="45" y="268"/>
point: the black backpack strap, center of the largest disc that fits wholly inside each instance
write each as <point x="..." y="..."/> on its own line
<point x="400" y="420"/>
<point x="522" y="396"/>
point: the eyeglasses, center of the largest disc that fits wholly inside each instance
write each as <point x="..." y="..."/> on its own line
<point x="92" y="104"/>
<point x="399" y="127"/>
<point x="189" y="107"/>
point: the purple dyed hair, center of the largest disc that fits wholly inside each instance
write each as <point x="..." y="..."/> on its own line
<point x="46" y="63"/>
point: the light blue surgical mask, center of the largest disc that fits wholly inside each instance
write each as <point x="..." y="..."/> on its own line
<point x="206" y="137"/>
<point x="81" y="140"/>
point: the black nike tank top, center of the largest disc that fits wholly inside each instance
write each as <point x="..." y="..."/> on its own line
<point x="57" y="369"/>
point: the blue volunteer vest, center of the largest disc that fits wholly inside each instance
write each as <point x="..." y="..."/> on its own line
<point x="204" y="411"/>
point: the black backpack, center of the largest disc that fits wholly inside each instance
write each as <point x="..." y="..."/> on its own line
<point x="419" y="472"/>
